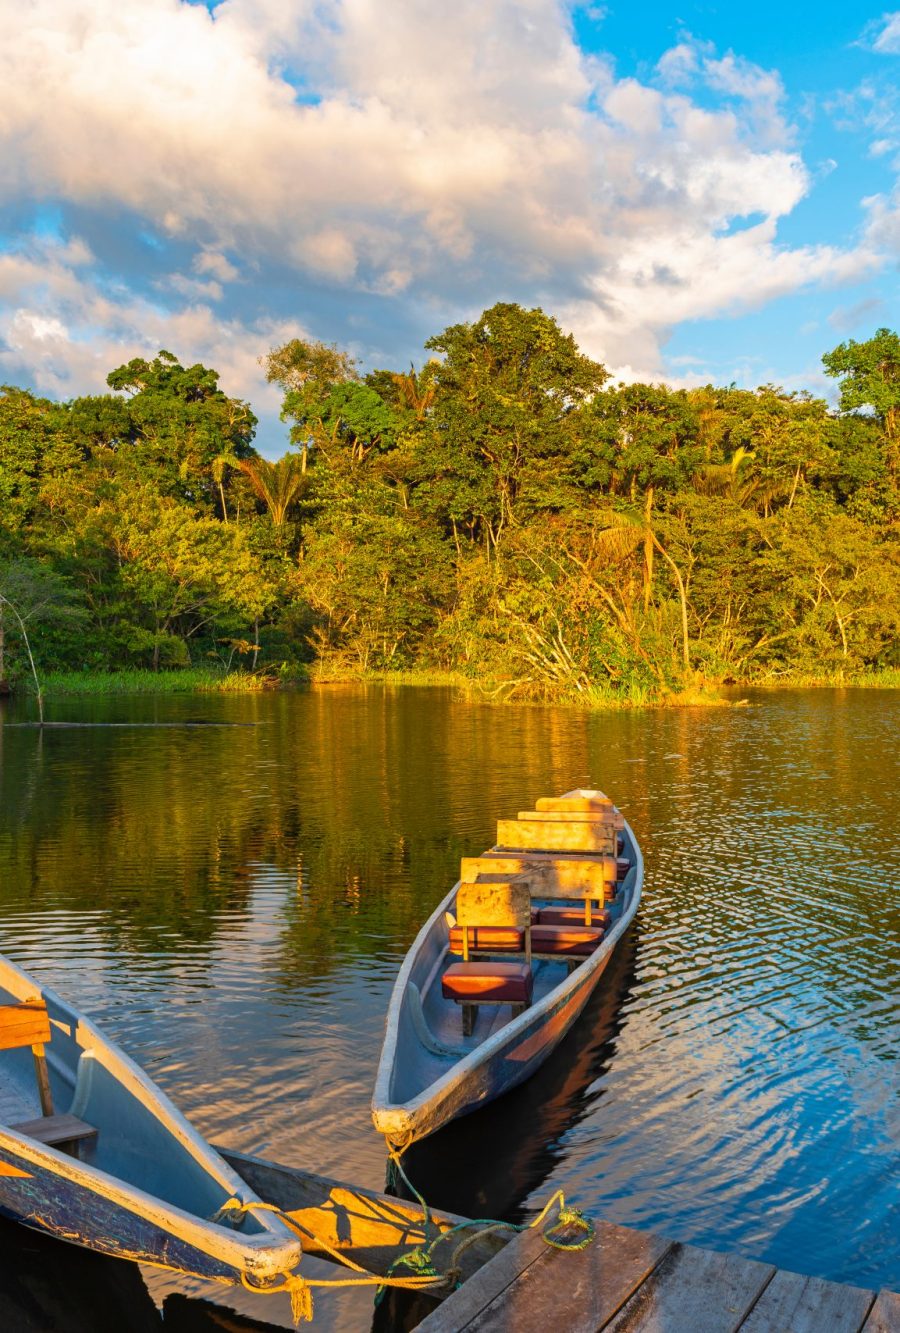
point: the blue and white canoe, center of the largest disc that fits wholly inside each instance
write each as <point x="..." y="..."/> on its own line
<point x="92" y="1152"/>
<point x="432" y="1069"/>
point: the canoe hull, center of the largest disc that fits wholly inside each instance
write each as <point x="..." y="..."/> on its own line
<point x="505" y="1068"/>
<point x="508" y="1056"/>
<point x="144" y="1185"/>
<point x="44" y="1200"/>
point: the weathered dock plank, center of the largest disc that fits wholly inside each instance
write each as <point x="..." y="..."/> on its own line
<point x="597" y="1282"/>
<point x="695" y="1290"/>
<point x="884" y="1317"/>
<point x="491" y="1281"/>
<point x="808" y="1305"/>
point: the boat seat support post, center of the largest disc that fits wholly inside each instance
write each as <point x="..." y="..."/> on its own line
<point x="27" y="1023"/>
<point x="469" y="1019"/>
<point x="43" y="1078"/>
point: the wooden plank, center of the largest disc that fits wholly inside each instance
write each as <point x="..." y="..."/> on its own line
<point x="500" y="904"/>
<point x="808" y="1305"/>
<point x="365" y="1225"/>
<point x="549" y="836"/>
<point x="42" y="1075"/>
<point x="884" y="1317"/>
<point x="25" y="1024"/>
<point x="56" y="1129"/>
<point x="552" y="876"/>
<point x="608" y="816"/>
<point x="459" y="1309"/>
<point x="694" y="1290"/>
<point x="597" y="1282"/>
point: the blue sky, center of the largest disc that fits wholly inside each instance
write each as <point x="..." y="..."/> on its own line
<point x="707" y="192"/>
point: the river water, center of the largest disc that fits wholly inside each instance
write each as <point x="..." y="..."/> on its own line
<point x="232" y="902"/>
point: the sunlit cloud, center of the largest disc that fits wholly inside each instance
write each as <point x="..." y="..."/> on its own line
<point x="420" y="162"/>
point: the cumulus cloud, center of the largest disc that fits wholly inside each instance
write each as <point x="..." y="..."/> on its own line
<point x="67" y="329"/>
<point x="437" y="156"/>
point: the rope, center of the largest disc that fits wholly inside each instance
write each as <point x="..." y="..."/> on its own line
<point x="423" y="1275"/>
<point x="300" y="1287"/>
<point x="421" y="1258"/>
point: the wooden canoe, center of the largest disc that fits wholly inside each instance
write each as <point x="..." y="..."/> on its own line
<point x="429" y="1073"/>
<point x="116" y="1168"/>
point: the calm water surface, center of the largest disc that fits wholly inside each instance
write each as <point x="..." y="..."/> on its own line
<point x="233" y="903"/>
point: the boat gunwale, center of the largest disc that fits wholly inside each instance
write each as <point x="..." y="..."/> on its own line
<point x="384" y="1110"/>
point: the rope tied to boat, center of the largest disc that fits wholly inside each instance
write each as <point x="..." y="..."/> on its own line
<point x="299" y="1287"/>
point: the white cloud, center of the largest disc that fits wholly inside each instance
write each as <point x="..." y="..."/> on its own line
<point x="884" y="34"/>
<point x="68" y="331"/>
<point x="217" y="265"/>
<point x="443" y="155"/>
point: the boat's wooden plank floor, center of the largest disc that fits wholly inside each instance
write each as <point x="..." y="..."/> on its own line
<point x="629" y="1281"/>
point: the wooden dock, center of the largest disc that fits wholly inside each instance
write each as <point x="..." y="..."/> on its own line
<point x="631" y="1281"/>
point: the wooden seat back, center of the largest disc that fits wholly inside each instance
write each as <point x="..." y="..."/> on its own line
<point x="505" y="902"/>
<point x="28" y="1024"/>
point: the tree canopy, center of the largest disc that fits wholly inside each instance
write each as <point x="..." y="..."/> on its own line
<point x="503" y="511"/>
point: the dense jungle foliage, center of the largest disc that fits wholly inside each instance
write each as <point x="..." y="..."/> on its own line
<point x="505" y="513"/>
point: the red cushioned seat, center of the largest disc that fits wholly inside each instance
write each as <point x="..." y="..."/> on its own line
<point x="488" y="939"/>
<point x="482" y="983"/>
<point x="572" y="916"/>
<point x="565" y="939"/>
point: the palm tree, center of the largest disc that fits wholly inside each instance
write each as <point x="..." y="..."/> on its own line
<point x="624" y="532"/>
<point x="277" y="484"/>
<point x="415" y="391"/>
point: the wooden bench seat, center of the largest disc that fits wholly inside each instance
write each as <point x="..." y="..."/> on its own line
<point x="54" y="1129"/>
<point x="553" y="940"/>
<point x="572" y="916"/>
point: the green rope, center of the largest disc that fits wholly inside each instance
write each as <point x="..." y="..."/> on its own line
<point x="420" y="1260"/>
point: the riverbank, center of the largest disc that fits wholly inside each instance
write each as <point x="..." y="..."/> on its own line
<point x="703" y="694"/>
<point x="191" y="680"/>
<point x="206" y="680"/>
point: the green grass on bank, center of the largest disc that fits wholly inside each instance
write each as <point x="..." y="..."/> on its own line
<point x="190" y="680"/>
<point x="207" y="680"/>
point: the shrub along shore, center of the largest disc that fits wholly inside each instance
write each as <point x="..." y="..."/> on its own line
<point x="504" y="518"/>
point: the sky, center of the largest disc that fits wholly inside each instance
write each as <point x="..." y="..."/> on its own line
<point x="699" y="192"/>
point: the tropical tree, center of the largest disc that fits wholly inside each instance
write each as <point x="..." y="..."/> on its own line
<point x="869" y="374"/>
<point x="508" y="391"/>
<point x="179" y="423"/>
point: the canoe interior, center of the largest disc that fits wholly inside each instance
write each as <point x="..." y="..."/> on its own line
<point x="429" y="1037"/>
<point x="133" y="1141"/>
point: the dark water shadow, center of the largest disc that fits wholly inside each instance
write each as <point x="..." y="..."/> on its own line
<point x="486" y="1165"/>
<point x="182" y="1314"/>
<point x="48" y="1286"/>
